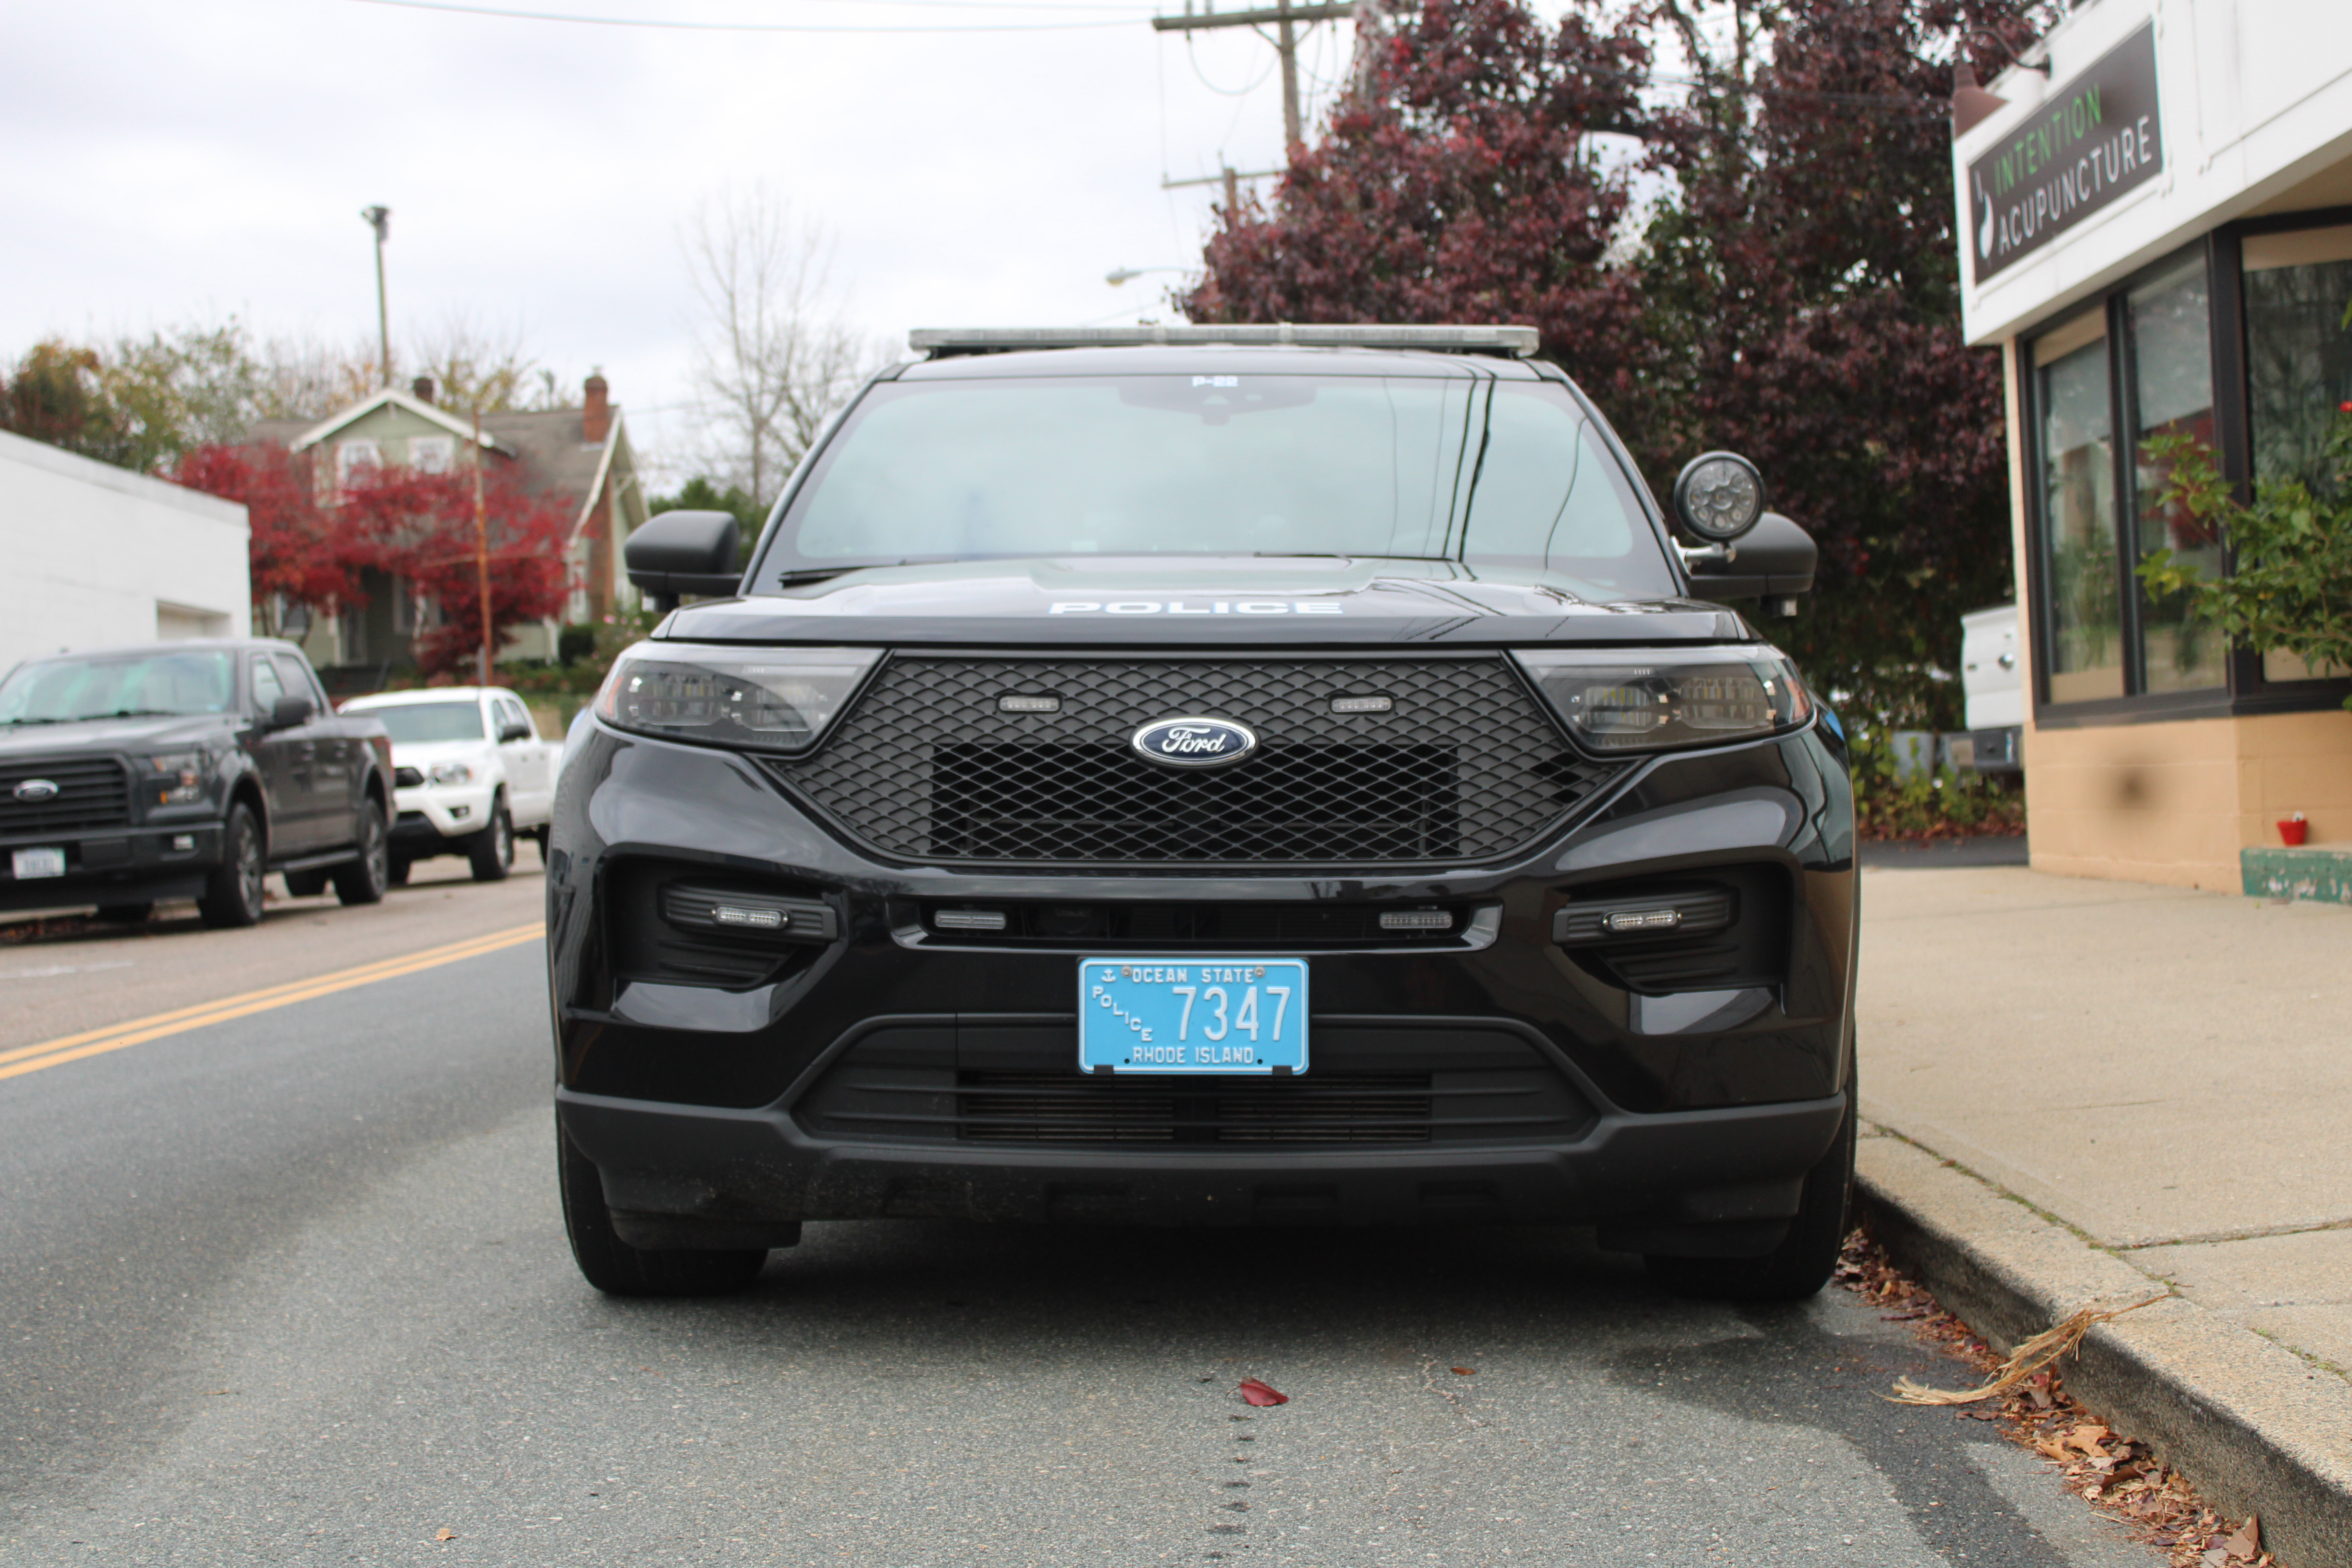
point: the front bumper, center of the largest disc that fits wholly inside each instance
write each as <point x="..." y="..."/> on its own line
<point x="723" y="1113"/>
<point x="427" y="814"/>
<point x="118" y="866"/>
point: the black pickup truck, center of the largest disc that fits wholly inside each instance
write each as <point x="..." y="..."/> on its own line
<point x="186" y="770"/>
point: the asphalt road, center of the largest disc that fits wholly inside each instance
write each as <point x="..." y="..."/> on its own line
<point x="292" y="1288"/>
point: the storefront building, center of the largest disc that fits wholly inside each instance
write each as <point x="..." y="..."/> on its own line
<point x="2159" y="239"/>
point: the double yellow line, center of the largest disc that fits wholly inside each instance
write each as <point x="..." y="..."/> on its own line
<point x="96" y="1042"/>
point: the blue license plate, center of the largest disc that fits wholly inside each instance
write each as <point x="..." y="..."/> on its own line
<point x="1245" y="1016"/>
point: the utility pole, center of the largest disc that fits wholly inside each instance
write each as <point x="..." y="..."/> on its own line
<point x="1227" y="177"/>
<point x="481" y="549"/>
<point x="380" y="220"/>
<point x="1287" y="18"/>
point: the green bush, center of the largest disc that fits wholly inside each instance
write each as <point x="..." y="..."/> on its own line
<point x="1940" y="805"/>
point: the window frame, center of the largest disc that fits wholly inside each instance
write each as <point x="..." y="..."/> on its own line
<point x="2246" y="691"/>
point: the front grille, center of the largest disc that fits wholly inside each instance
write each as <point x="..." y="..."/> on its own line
<point x="1464" y="767"/>
<point x="93" y="793"/>
<point x="961" y="1082"/>
<point x="1063" y="1108"/>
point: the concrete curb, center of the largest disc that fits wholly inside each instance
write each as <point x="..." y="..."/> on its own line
<point x="2255" y="1428"/>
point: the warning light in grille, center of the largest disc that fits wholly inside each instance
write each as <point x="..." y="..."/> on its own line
<point x="1363" y="704"/>
<point x="1416" y="920"/>
<point x="755" y="919"/>
<point x="969" y="920"/>
<point x="1643" y="920"/>
<point x="1029" y="705"/>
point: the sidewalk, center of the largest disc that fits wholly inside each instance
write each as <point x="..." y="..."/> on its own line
<point x="2087" y="1088"/>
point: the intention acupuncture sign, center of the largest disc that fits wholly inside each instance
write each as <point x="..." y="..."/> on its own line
<point x="2096" y="138"/>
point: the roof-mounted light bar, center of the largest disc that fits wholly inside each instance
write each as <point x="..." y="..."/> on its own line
<point x="941" y="342"/>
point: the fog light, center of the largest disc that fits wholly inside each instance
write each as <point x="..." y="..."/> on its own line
<point x="969" y="920"/>
<point x="1416" y="920"/>
<point x="755" y="919"/>
<point x="1620" y="921"/>
<point x="184" y="841"/>
<point x="460" y="812"/>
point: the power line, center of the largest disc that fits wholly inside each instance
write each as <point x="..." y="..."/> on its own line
<point x="1288" y="18"/>
<point x="451" y="6"/>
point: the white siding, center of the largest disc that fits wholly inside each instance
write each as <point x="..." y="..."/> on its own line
<point x="98" y="556"/>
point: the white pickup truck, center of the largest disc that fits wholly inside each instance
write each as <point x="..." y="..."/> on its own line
<point x="470" y="774"/>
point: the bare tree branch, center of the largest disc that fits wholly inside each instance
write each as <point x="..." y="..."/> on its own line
<point x="776" y="356"/>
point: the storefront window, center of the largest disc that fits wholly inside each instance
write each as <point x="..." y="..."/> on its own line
<point x="2078" y="510"/>
<point x="2298" y="364"/>
<point x="2172" y="393"/>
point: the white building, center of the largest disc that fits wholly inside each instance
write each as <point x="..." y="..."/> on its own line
<point x="97" y="556"/>
<point x="2157" y="237"/>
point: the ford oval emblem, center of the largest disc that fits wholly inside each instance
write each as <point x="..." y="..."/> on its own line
<point x="1193" y="742"/>
<point x="37" y="789"/>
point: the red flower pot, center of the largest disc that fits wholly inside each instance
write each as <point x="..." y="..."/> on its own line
<point x="2291" y="830"/>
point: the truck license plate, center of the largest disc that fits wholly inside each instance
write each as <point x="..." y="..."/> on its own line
<point x="1221" y="1016"/>
<point x="32" y="863"/>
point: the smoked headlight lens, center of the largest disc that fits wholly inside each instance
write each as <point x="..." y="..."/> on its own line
<point x="770" y="699"/>
<point x="1647" y="700"/>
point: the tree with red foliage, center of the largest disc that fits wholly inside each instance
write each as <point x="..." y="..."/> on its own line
<point x="297" y="556"/>
<point x="422" y="527"/>
<point x="1459" y="186"/>
<point x="1795" y="298"/>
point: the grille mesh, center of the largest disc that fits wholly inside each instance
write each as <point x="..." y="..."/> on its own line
<point x="92" y="793"/>
<point x="1465" y="766"/>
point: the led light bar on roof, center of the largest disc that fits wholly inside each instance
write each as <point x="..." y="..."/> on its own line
<point x="942" y="342"/>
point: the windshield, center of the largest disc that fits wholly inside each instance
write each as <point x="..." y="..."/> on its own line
<point x="59" y="690"/>
<point x="1437" y="467"/>
<point x="414" y="723"/>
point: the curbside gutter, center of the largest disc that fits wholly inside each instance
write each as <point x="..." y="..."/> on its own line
<point x="2253" y="1425"/>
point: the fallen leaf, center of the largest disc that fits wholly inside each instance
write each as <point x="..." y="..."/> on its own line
<point x="1262" y="1394"/>
<point x="2086" y="1437"/>
<point x="2248" y="1543"/>
<point x="444" y="1535"/>
<point x="1466" y="1371"/>
<point x="2049" y="1450"/>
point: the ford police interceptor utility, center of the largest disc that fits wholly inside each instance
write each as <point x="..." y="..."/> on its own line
<point x="1212" y="776"/>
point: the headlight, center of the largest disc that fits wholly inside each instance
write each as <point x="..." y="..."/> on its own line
<point x="179" y="777"/>
<point x="1620" y="700"/>
<point x="450" y="773"/>
<point x="771" y="700"/>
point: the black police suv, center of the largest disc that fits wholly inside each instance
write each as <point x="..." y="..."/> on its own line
<point x="1212" y="776"/>
<point x="185" y="770"/>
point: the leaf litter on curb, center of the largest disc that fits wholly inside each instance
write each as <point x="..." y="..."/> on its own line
<point x="2119" y="1475"/>
<point x="1262" y="1393"/>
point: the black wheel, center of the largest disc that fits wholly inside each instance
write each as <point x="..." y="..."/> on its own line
<point x="615" y="1268"/>
<point x="232" y="891"/>
<point x="125" y="914"/>
<point x="363" y="880"/>
<point x="1801" y="1265"/>
<point x="492" y="849"/>
<point x="395" y="871"/>
<point x="306" y="884"/>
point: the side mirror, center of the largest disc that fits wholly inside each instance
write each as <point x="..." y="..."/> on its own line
<point x="288" y="711"/>
<point x="684" y="552"/>
<point x="1774" y="562"/>
<point x="1719" y="496"/>
<point x="513" y="733"/>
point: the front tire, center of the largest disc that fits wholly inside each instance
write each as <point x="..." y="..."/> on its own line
<point x="1801" y="1263"/>
<point x="492" y="849"/>
<point x="233" y="891"/>
<point x="615" y="1268"/>
<point x="363" y="880"/>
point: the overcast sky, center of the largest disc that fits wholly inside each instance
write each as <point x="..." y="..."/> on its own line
<point x="170" y="162"/>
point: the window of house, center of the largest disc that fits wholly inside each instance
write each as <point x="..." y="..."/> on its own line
<point x="2081" y="606"/>
<point x="351" y="457"/>
<point x="432" y="454"/>
<point x="2168" y="320"/>
<point x="2297" y="286"/>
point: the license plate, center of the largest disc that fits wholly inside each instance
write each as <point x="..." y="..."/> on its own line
<point x="31" y="863"/>
<point x="1222" y="1016"/>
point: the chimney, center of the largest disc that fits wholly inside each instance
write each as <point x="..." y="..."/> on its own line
<point x="596" y="418"/>
<point x="424" y="388"/>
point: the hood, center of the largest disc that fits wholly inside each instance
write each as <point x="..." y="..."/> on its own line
<point x="155" y="734"/>
<point x="422" y="754"/>
<point x="1156" y="601"/>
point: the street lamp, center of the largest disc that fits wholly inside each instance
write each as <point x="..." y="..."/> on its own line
<point x="380" y="220"/>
